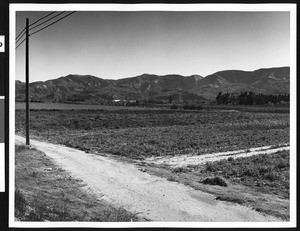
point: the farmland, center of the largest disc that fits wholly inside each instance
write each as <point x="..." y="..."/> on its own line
<point x="138" y="134"/>
<point x="134" y="135"/>
<point x="62" y="106"/>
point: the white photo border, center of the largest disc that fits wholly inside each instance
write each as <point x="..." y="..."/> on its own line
<point x="13" y="8"/>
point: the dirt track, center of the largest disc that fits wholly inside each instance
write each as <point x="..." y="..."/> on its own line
<point x="185" y="160"/>
<point x="151" y="197"/>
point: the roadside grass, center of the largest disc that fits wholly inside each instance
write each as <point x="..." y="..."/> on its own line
<point x="268" y="173"/>
<point x="260" y="182"/>
<point x="45" y="192"/>
<point x="141" y="134"/>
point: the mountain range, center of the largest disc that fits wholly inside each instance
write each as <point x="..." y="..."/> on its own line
<point x="194" y="88"/>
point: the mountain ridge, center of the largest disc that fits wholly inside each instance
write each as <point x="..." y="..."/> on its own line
<point x="193" y="88"/>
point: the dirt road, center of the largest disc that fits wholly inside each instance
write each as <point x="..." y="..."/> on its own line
<point x="153" y="198"/>
<point x="185" y="160"/>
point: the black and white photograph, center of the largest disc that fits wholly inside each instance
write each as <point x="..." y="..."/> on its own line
<point x="152" y="115"/>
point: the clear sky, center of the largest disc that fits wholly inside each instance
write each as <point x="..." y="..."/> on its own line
<point x="115" y="45"/>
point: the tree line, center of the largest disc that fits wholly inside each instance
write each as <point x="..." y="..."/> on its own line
<point x="250" y="98"/>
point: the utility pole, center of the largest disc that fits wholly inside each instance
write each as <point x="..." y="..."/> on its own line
<point x="27" y="80"/>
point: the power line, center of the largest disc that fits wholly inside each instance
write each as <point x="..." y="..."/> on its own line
<point x="21" y="43"/>
<point x="46" y="27"/>
<point x="20" y="35"/>
<point x="17" y="40"/>
<point x="41" y="18"/>
<point x="22" y="32"/>
<point x="52" y="23"/>
<point x="46" y="20"/>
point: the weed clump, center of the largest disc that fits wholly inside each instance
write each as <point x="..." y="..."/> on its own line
<point x="174" y="106"/>
<point x="209" y="167"/>
<point x="178" y="170"/>
<point x="171" y="178"/>
<point x="230" y="158"/>
<point x="215" y="181"/>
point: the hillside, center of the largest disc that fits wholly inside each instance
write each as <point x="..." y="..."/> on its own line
<point x="194" y="88"/>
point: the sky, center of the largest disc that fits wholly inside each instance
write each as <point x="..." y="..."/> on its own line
<point x="114" y="45"/>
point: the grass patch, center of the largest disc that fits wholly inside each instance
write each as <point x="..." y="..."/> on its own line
<point x="179" y="170"/>
<point x="20" y="203"/>
<point x="268" y="173"/>
<point x="215" y="181"/>
<point x="53" y="195"/>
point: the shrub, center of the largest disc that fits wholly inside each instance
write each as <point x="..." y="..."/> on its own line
<point x="178" y="170"/>
<point x="174" y="106"/>
<point x="230" y="158"/>
<point x="199" y="107"/>
<point x="192" y="107"/>
<point x="189" y="107"/>
<point x="171" y="178"/>
<point x="271" y="176"/>
<point x="249" y="172"/>
<point x="283" y="164"/>
<point x="215" y="181"/>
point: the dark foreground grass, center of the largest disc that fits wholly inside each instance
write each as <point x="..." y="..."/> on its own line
<point x="45" y="192"/>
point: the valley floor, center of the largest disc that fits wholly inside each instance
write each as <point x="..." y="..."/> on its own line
<point x="151" y="197"/>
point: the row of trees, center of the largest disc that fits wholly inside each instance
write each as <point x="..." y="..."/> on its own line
<point x="250" y="98"/>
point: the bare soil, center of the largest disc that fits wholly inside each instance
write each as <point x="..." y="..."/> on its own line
<point x="185" y="160"/>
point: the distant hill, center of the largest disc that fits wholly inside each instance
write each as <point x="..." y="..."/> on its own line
<point x="194" y="88"/>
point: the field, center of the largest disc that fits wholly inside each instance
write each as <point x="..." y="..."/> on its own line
<point x="261" y="182"/>
<point x="142" y="133"/>
<point x="61" y="106"/>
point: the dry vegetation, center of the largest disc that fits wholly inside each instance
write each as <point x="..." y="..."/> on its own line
<point x="270" y="171"/>
<point x="140" y="134"/>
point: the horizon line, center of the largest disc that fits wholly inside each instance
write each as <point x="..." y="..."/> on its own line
<point x="162" y="75"/>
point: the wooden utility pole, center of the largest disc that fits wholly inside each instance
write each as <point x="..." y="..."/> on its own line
<point x="27" y="80"/>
